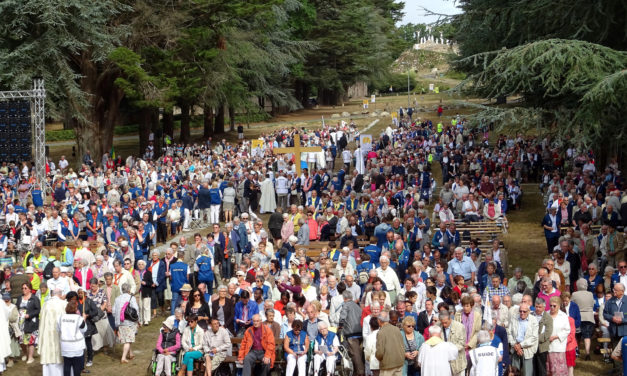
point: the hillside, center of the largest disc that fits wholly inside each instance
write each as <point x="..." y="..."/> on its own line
<point x="421" y="61"/>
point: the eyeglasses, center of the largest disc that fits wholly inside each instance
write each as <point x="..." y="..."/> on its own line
<point x="521" y="311"/>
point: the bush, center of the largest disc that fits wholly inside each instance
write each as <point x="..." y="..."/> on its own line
<point x="126" y="129"/>
<point x="61" y="135"/>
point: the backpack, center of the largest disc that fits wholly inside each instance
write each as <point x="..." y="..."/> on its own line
<point x="48" y="270"/>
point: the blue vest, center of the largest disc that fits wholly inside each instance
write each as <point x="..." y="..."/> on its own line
<point x="178" y="275"/>
<point x="205" y="273"/>
<point x="328" y="342"/>
<point x="297" y="344"/>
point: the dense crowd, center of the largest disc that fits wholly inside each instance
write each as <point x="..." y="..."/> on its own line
<point x="117" y="243"/>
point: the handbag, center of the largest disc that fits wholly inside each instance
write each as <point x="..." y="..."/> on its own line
<point x="130" y="313"/>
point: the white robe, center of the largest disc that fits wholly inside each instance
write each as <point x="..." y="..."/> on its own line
<point x="434" y="357"/>
<point x="359" y="161"/>
<point x="49" y="345"/>
<point x="5" y="339"/>
<point x="267" y="203"/>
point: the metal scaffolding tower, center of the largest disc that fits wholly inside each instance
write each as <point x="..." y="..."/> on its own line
<point x="37" y="96"/>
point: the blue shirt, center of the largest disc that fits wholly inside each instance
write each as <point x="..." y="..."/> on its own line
<point x="463" y="268"/>
<point x="522" y="329"/>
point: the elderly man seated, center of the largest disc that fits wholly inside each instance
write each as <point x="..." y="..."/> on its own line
<point x="325" y="347"/>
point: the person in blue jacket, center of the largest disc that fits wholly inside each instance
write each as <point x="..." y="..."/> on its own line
<point x="157" y="268"/>
<point x="244" y="311"/>
<point x="215" y="200"/>
<point x="178" y="278"/>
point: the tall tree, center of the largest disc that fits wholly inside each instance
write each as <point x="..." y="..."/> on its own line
<point x="67" y="43"/>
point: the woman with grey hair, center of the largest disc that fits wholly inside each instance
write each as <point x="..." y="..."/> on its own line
<point x="126" y="327"/>
<point x="145" y="292"/>
<point x="585" y="300"/>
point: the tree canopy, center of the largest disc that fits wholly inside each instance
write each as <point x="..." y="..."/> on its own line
<point x="565" y="61"/>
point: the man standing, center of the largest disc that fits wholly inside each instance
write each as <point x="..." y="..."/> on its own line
<point x="435" y="354"/>
<point x="522" y="335"/>
<point x="485" y="358"/>
<point x="257" y="344"/>
<point x="49" y="344"/>
<point x="350" y="318"/>
<point x="551" y="224"/>
<point x="389" y="277"/>
<point x="545" y="330"/>
<point x="390" y="348"/>
<point x="615" y="312"/>
<point x="455" y="333"/>
<point x="461" y="265"/>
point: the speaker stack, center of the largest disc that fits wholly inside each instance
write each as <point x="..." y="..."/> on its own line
<point x="15" y="131"/>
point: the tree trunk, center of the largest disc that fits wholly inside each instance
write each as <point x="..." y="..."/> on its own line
<point x="218" y="127"/>
<point x="158" y="131"/>
<point x="207" y="116"/>
<point x="95" y="130"/>
<point x="185" y="121"/>
<point x="168" y="122"/>
<point x="144" y="130"/>
<point x="232" y="118"/>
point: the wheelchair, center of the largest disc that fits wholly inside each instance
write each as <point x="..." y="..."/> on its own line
<point x="343" y="362"/>
<point x="175" y="365"/>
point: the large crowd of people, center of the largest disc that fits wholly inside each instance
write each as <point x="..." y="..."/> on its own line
<point x="96" y="253"/>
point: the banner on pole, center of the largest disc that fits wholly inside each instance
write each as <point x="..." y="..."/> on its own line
<point x="365" y="140"/>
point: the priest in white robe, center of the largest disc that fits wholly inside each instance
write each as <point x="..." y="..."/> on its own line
<point x="435" y="354"/>
<point x="267" y="203"/>
<point x="49" y="345"/>
<point x="360" y="165"/>
<point x="5" y="340"/>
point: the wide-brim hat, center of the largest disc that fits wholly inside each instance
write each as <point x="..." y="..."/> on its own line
<point x="186" y="287"/>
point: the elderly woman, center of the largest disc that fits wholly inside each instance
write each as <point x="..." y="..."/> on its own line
<point x="593" y="278"/>
<point x="168" y="344"/>
<point x="287" y="229"/>
<point x="309" y="291"/>
<point x="223" y="309"/>
<point x="326" y="346"/>
<point x="104" y="336"/>
<point x="296" y="344"/>
<point x="99" y="268"/>
<point x="556" y="360"/>
<point x="29" y="308"/>
<point x="145" y="292"/>
<point x="126" y="328"/>
<point x="471" y="319"/>
<point x="412" y="340"/>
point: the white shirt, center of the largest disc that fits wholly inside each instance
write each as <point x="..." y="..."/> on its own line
<point x="347" y="157"/>
<point x="434" y="361"/>
<point x="485" y="361"/>
<point x="59" y="283"/>
<point x="282" y="185"/>
<point x="389" y="277"/>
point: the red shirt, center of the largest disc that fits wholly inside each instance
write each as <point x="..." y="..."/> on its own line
<point x="257" y="333"/>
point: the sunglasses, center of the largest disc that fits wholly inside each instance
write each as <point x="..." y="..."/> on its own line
<point x="198" y="295"/>
<point x="554" y="306"/>
<point x="521" y="311"/>
<point x="622" y="267"/>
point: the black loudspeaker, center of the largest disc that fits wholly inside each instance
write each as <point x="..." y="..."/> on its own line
<point x="15" y="131"/>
